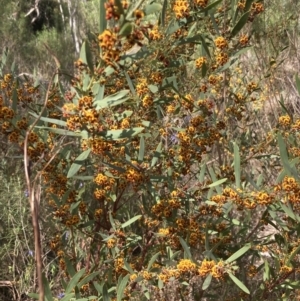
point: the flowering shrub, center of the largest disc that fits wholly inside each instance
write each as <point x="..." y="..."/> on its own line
<point x="149" y="162"/>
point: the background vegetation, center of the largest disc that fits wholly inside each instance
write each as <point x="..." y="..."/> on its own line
<point x="160" y="141"/>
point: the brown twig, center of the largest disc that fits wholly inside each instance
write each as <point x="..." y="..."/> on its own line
<point x="34" y="193"/>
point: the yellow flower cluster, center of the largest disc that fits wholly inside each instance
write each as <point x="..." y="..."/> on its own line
<point x="201" y="3"/>
<point x="186" y="265"/>
<point x="147" y="101"/>
<point x="181" y="9"/>
<point x="221" y="43"/>
<point x="155" y="34"/>
<point x="166" y="274"/>
<point x="142" y="87"/>
<point x="108" y="43"/>
<point x="200" y="62"/>
<point x="111" y="243"/>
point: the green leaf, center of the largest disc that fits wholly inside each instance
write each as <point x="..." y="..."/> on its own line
<point x="141" y="149"/>
<point x="86" y="56"/>
<point x="128" y="267"/>
<point x="238" y="253"/>
<point x="132" y="220"/>
<point x="173" y="26"/>
<point x="121" y="134"/>
<point x="202" y="172"/>
<point x="70" y="267"/>
<point x="14" y="99"/>
<point x="266" y="275"/>
<point x="153" y="8"/>
<point x="152" y="260"/>
<point x="124" y="114"/>
<point x="32" y="295"/>
<point x="239" y="283"/>
<point x="289" y="211"/>
<point x="163" y="13"/>
<point x="88" y="278"/>
<point x="109" y="70"/>
<point x="112" y="221"/>
<point x="59" y="131"/>
<point x="47" y="289"/>
<point x="112" y="100"/>
<point x="207" y="282"/>
<point x="248" y="4"/>
<point x="102" y="17"/>
<point x="298" y="84"/>
<point x="74" y="281"/>
<point x="50" y="120"/>
<point x="120" y="6"/>
<point x="160" y="284"/>
<point x="217" y="183"/>
<point x="291" y="171"/>
<point x="204" y="45"/>
<point x="292" y="256"/>
<point x="237" y="166"/>
<point x="130" y="84"/>
<point x="121" y="288"/>
<point x="240" y="24"/>
<point x="214" y="179"/>
<point x="67" y="297"/>
<point x="126" y="29"/>
<point x="157" y="154"/>
<point x="204" y="70"/>
<point x="185" y="248"/>
<point x="78" y="163"/>
<point x="212" y="5"/>
<point x="214" y="23"/>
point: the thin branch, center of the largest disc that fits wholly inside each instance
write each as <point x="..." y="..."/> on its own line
<point x="34" y="193"/>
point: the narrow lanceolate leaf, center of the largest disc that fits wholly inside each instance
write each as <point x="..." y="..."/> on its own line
<point x="237" y="166"/>
<point x="152" y="260"/>
<point x="239" y="253"/>
<point x="207" y="282"/>
<point x="74" y="281"/>
<point x="240" y="24"/>
<point x="214" y="179"/>
<point x="68" y="297"/>
<point x="212" y="5"/>
<point x="31" y="295"/>
<point x="86" y="56"/>
<point x="291" y="171"/>
<point x="102" y="19"/>
<point x="248" y="4"/>
<point x="217" y="183"/>
<point x="78" y="163"/>
<point x="59" y="131"/>
<point x="142" y="149"/>
<point x="88" y="278"/>
<point x="49" y="120"/>
<point x="240" y="284"/>
<point x="156" y="154"/>
<point x="132" y="220"/>
<point x="121" y="288"/>
<point x="185" y="248"/>
<point x="298" y="83"/>
<point x="121" y="134"/>
<point x="47" y="289"/>
<point x="204" y="45"/>
<point x="153" y="8"/>
<point x="14" y="100"/>
<point x="126" y="29"/>
<point x="112" y="100"/>
<point x="130" y="84"/>
<point x="163" y="13"/>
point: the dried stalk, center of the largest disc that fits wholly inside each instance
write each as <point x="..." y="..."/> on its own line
<point x="34" y="191"/>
